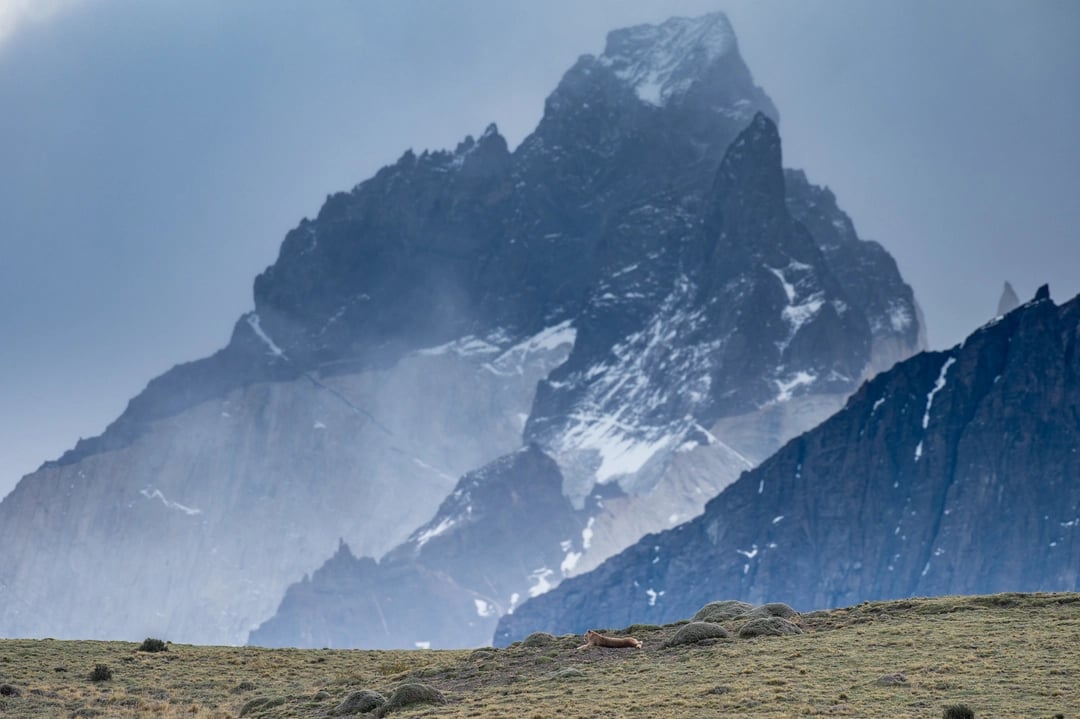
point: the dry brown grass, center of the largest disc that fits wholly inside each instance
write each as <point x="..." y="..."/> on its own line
<point x="1004" y="655"/>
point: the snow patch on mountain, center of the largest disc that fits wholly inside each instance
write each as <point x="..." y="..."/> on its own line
<point x="804" y="298"/>
<point x="899" y="316"/>
<point x="663" y="61"/>
<point x="428" y="534"/>
<point x="620" y="452"/>
<point x="485" y="609"/>
<point x="512" y="361"/>
<point x="421" y="463"/>
<point x="151" y="493"/>
<point x="255" y="322"/>
<point x="786" y="387"/>
<point x="609" y="435"/>
<point x="587" y="533"/>
<point x="540" y="581"/>
<point x="938" y="386"/>
<point x="467" y="346"/>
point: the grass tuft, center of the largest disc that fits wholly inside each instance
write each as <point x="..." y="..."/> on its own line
<point x="101" y="673"/>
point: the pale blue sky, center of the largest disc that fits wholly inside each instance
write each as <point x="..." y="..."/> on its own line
<point x="153" y="155"/>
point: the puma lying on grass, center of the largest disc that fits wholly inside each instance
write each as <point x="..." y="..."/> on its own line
<point x="594" y="638"/>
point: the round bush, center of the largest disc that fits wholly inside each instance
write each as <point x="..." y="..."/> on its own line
<point x="722" y="611"/>
<point x="538" y="639"/>
<point x="958" y="711"/>
<point x="768" y="627"/>
<point x="695" y="632"/>
<point x="152" y="645"/>
<point x="360" y="702"/>
<point x="773" y="609"/>
<point x="409" y="694"/>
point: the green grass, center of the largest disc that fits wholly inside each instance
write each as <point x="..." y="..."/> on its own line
<point x="1005" y="655"/>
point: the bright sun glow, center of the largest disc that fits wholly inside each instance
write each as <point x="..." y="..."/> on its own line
<point x="16" y="13"/>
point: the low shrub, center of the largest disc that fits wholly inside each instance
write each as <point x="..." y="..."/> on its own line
<point x="722" y="611"/>
<point x="768" y="627"/>
<point x="958" y="711"/>
<point x="101" y="673"/>
<point x="695" y="632"/>
<point x="409" y="694"/>
<point x="152" y="645"/>
<point x="360" y="702"/>
<point x="538" y="639"/>
<point x="773" y="609"/>
<point x="638" y="628"/>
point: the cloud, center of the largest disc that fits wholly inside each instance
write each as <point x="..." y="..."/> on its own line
<point x="17" y="13"/>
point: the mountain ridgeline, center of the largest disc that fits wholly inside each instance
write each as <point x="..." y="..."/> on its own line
<point x="491" y="369"/>
<point x="953" y="473"/>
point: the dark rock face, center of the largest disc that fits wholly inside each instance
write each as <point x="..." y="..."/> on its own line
<point x="888" y="303"/>
<point x="747" y="312"/>
<point x="953" y="473"/>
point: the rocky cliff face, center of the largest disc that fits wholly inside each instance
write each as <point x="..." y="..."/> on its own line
<point x="633" y="292"/>
<point x="953" y="473"/>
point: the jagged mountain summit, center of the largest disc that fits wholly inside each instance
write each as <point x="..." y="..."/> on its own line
<point x="956" y="472"/>
<point x="637" y="293"/>
<point x="735" y="315"/>
<point x="1008" y="301"/>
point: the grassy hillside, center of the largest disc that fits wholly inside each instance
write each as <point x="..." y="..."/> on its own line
<point x="1009" y="655"/>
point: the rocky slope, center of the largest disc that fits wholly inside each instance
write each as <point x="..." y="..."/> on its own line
<point x="953" y="473"/>
<point x="633" y="291"/>
<point x="445" y="585"/>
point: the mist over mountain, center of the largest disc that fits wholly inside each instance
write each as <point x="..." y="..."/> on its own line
<point x="713" y="326"/>
<point x="632" y="307"/>
<point x="953" y="473"/>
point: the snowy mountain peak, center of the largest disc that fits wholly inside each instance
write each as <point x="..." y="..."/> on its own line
<point x="663" y="61"/>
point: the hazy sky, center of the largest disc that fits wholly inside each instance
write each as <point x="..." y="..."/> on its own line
<point x="153" y="154"/>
